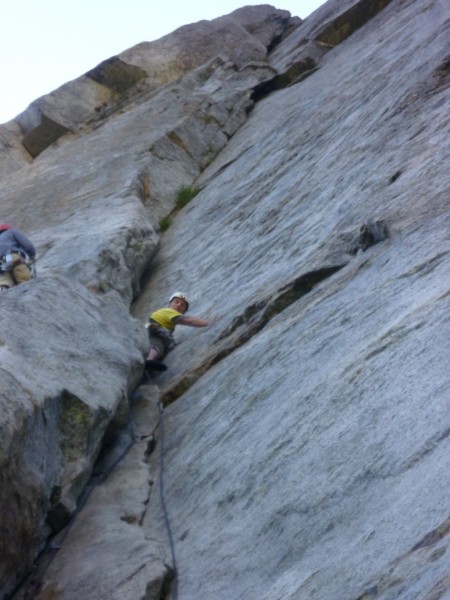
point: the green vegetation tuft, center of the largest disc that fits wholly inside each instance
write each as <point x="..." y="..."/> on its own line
<point x="185" y="195"/>
<point x="165" y="222"/>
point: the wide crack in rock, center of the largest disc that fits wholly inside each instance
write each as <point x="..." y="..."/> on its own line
<point x="253" y="319"/>
<point x="121" y="483"/>
<point x="429" y="549"/>
<point x="257" y="315"/>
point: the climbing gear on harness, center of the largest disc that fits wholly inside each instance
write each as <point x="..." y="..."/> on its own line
<point x="31" y="264"/>
<point x="7" y="263"/>
<point x="181" y="296"/>
<point x="163" y="334"/>
<point x="5" y="226"/>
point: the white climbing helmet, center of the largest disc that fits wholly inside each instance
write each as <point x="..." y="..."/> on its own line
<point x="181" y="296"/>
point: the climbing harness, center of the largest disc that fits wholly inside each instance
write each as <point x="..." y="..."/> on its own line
<point x="163" y="334"/>
<point x="7" y="263"/>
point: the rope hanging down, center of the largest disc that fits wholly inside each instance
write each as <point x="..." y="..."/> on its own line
<point x="174" y="591"/>
<point x="163" y="502"/>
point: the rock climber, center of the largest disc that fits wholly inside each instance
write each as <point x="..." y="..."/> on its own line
<point x="16" y="254"/>
<point x="161" y="325"/>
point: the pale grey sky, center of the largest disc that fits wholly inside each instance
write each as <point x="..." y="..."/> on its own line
<point x="46" y="43"/>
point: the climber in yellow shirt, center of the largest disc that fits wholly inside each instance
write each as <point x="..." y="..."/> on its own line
<point x="161" y="325"/>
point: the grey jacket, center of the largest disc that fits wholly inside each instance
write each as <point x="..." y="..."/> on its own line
<point x="13" y="240"/>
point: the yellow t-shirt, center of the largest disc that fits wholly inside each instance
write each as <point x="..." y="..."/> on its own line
<point x="165" y="316"/>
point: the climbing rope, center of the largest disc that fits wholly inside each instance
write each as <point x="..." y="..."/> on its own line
<point x="163" y="503"/>
<point x="162" y="498"/>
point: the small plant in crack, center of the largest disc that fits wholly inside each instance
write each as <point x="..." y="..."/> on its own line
<point x="185" y="195"/>
<point x="165" y="222"/>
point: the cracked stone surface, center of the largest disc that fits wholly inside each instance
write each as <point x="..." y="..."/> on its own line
<point x="137" y="567"/>
<point x="307" y="429"/>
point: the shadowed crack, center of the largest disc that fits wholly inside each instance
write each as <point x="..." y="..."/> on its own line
<point x="370" y="233"/>
<point x="296" y="73"/>
<point x="43" y="136"/>
<point x="390" y="580"/>
<point x="254" y="318"/>
<point x="349" y="21"/>
<point x="434" y="536"/>
<point x="116" y="74"/>
<point x="259" y="314"/>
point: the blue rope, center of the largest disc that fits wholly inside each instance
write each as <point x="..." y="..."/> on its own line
<point x="163" y="504"/>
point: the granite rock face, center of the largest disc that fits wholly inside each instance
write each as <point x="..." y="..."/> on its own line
<point x="305" y="435"/>
<point x="69" y="361"/>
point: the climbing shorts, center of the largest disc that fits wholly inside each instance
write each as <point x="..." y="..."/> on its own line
<point x="161" y="339"/>
<point x="18" y="274"/>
